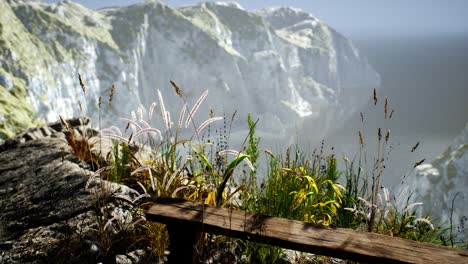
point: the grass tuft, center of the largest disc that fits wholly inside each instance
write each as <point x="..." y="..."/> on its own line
<point x="297" y="184"/>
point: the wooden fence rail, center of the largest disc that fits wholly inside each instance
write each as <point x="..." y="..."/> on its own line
<point x="187" y="220"/>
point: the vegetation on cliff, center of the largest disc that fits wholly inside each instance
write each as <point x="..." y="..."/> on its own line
<point x="192" y="160"/>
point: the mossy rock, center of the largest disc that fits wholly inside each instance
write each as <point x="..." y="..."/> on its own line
<point x="15" y="112"/>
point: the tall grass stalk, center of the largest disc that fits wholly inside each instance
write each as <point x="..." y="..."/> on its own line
<point x="296" y="184"/>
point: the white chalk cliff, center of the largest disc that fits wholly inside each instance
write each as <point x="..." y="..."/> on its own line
<point x="281" y="64"/>
<point x="443" y="185"/>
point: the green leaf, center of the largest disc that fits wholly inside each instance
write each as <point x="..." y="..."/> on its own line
<point x="227" y="174"/>
<point x="205" y="161"/>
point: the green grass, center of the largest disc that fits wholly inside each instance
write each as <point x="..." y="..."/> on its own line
<point x="297" y="184"/>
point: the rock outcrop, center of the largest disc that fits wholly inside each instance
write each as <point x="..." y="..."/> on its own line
<point x="443" y="186"/>
<point x="47" y="215"/>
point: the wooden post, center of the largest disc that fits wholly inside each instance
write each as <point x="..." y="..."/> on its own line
<point x="183" y="239"/>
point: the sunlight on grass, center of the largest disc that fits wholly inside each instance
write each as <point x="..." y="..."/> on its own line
<point x="164" y="162"/>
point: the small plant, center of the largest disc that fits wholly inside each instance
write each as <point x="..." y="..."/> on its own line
<point x="298" y="187"/>
<point x="264" y="254"/>
<point x="171" y="166"/>
<point x="82" y="142"/>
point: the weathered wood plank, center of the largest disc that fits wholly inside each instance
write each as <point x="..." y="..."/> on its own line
<point x="336" y="242"/>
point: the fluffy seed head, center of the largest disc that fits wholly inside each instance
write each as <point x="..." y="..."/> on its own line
<point x="386" y="107"/>
<point x="83" y="86"/>
<point x="181" y="117"/>
<point x="361" y="139"/>
<point x="151" y="110"/>
<point x="419" y="163"/>
<point x="425" y="221"/>
<point x="64" y="123"/>
<point x="195" y="108"/>
<point x="375" y="96"/>
<point x="177" y="89"/>
<point x="207" y="122"/>
<point x="111" y="96"/>
<point x="163" y="109"/>
<point x="415" y="147"/>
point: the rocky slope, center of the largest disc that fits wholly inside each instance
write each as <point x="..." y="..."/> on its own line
<point x="281" y="64"/>
<point x="47" y="215"/>
<point x="443" y="184"/>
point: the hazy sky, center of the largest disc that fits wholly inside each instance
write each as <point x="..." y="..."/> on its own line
<point x="359" y="17"/>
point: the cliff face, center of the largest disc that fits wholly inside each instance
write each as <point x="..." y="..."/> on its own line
<point x="42" y="48"/>
<point x="281" y="64"/>
<point x="443" y="184"/>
